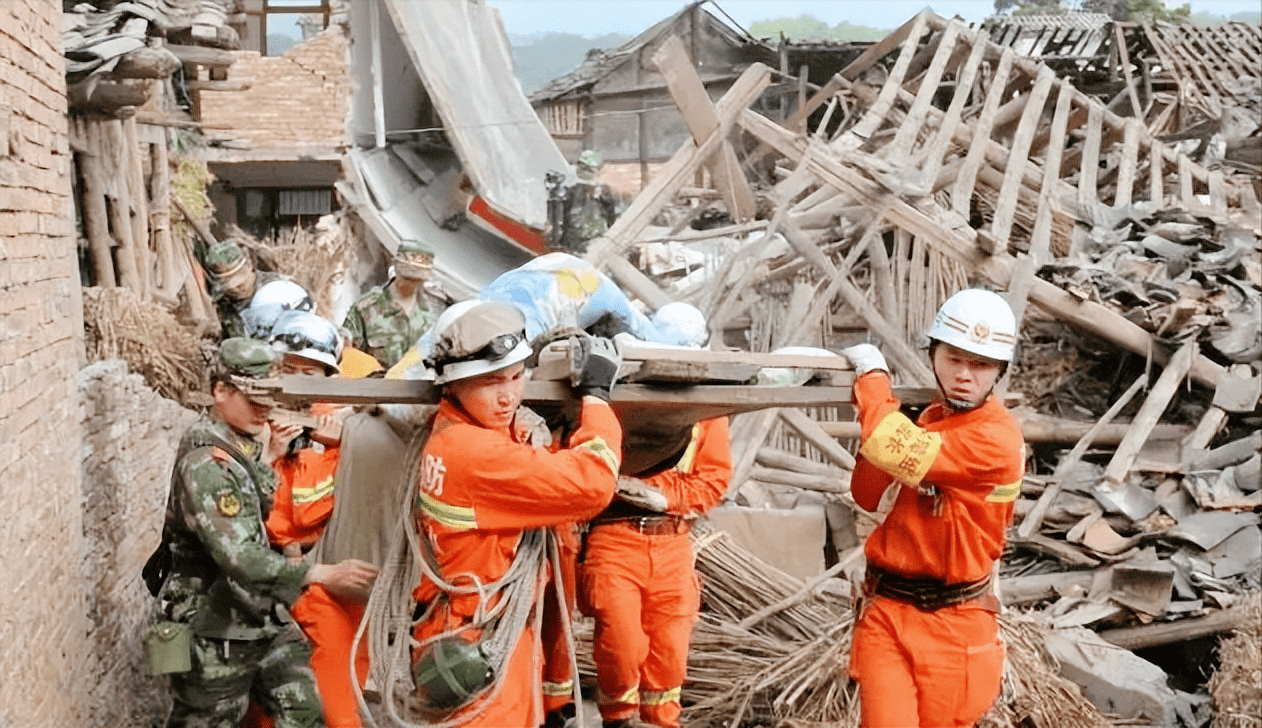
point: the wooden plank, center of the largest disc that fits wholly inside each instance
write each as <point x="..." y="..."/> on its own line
<point x="962" y="190"/>
<point x="934" y="151"/>
<point x="1041" y="235"/>
<point x="1006" y="206"/>
<point x="875" y="114"/>
<point x="909" y="129"/>
<point x="694" y="104"/>
<point x="1090" y="167"/>
<point x="1183" y="630"/>
<point x="1158" y="398"/>
<point x="1156" y="178"/>
<point x="1217" y="194"/>
<point x="1124" y="59"/>
<point x="1130" y="161"/>
<point x="95" y="210"/>
<point x="138" y="197"/>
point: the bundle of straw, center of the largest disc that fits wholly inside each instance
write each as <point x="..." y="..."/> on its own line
<point x="1236" y="687"/>
<point x="119" y="325"/>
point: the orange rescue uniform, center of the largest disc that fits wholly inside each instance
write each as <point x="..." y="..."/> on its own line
<point x="303" y="505"/>
<point x="958" y="474"/>
<point x="480" y="490"/>
<point x="639" y="583"/>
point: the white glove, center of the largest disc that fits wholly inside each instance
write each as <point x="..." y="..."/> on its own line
<point x="865" y="358"/>
<point x="639" y="493"/>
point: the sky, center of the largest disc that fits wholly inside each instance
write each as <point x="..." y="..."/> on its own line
<point x="596" y="17"/>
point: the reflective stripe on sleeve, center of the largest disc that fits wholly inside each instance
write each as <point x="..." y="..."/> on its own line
<point x="1005" y="493"/>
<point x="601" y="449"/>
<point x="900" y="448"/>
<point x="313" y="493"/>
<point x="454" y="517"/>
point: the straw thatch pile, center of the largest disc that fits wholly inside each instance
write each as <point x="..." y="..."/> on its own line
<point x="119" y="325"/>
<point x="1236" y="687"/>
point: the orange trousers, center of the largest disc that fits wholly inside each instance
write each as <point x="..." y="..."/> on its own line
<point x="644" y="594"/>
<point x="330" y="624"/>
<point x="934" y="669"/>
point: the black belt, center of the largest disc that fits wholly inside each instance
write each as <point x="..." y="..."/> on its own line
<point x="924" y="593"/>
<point x="650" y="525"/>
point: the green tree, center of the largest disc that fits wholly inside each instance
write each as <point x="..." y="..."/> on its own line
<point x="809" y="28"/>
<point x="1151" y="11"/>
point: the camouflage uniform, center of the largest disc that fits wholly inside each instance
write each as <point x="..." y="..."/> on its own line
<point x="378" y="325"/>
<point x="591" y="206"/>
<point x="232" y="589"/>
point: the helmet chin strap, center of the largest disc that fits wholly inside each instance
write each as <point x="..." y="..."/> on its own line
<point x="960" y="405"/>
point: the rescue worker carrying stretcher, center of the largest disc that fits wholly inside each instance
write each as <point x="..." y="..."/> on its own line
<point x="926" y="649"/>
<point x="637" y="577"/>
<point x="487" y="499"/>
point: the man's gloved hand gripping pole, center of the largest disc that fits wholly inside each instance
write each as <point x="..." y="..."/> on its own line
<point x="594" y="363"/>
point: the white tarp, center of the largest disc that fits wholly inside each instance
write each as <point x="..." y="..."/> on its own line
<point x="462" y="56"/>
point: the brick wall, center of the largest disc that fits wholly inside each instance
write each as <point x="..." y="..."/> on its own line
<point x="43" y="617"/>
<point x="300" y="99"/>
<point x="131" y="434"/>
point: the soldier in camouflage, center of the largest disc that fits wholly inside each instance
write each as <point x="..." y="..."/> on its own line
<point x="233" y="282"/>
<point x="225" y="580"/>
<point x="388" y="319"/>
<point x="592" y="206"/>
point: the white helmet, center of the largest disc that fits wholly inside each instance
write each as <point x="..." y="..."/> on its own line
<point x="979" y="322"/>
<point x="269" y="302"/>
<point x="681" y="324"/>
<point x="477" y="337"/>
<point x="313" y="337"/>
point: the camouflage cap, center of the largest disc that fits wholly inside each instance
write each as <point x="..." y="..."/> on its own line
<point x="414" y="259"/>
<point x="589" y="158"/>
<point x="225" y="258"/>
<point x="245" y="361"/>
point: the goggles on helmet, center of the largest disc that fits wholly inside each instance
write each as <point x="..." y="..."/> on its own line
<point x="495" y="349"/>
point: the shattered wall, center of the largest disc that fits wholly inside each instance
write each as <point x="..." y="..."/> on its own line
<point x="43" y="601"/>
<point x="131" y="434"/>
<point x="300" y="99"/>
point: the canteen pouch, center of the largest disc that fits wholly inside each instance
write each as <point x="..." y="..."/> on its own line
<point x="169" y="648"/>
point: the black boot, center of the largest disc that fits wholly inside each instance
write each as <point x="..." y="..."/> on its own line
<point x="562" y="717"/>
<point x="620" y="723"/>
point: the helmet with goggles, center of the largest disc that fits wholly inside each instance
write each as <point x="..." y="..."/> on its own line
<point x="304" y="334"/>
<point x="477" y="337"/>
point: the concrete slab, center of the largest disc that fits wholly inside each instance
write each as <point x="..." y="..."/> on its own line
<point x="1114" y="679"/>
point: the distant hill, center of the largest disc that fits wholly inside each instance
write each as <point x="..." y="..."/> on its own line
<point x="808" y="28"/>
<point x="540" y="57"/>
<point x="1247" y="16"/>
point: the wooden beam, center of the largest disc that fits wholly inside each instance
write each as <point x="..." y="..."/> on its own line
<point x="1166" y="633"/>
<point x="694" y="104"/>
<point x="1150" y="411"/>
<point x="679" y="170"/>
<point x="196" y="55"/>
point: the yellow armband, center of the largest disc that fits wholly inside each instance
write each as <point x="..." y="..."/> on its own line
<point x="900" y="448"/>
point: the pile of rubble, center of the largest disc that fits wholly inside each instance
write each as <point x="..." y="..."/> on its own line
<point x="1135" y="270"/>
